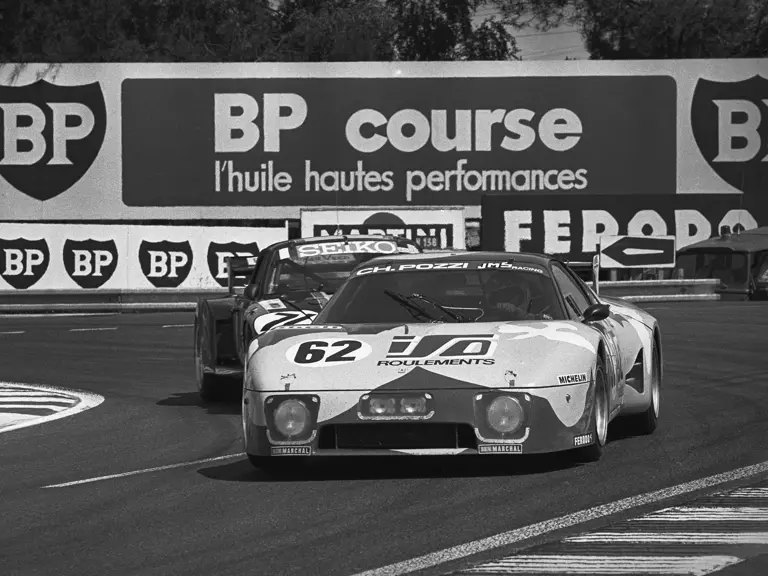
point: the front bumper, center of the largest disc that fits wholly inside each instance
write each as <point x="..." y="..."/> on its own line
<point x="556" y="419"/>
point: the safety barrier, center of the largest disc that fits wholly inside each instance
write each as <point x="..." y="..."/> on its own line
<point x="42" y="301"/>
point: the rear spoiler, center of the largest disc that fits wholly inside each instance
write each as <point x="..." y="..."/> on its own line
<point x="593" y="266"/>
<point x="239" y="268"/>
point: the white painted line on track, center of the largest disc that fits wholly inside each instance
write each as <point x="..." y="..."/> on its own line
<point x="555" y="564"/>
<point x="144" y="471"/>
<point x="87" y="400"/>
<point x="56" y="315"/>
<point x="748" y="493"/>
<point x="707" y="514"/>
<point x="533" y="530"/>
<point x="725" y="538"/>
<point x="91" y="329"/>
<point x="13" y="332"/>
<point x="178" y="326"/>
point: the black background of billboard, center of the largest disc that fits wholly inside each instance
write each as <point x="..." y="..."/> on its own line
<point x="712" y="206"/>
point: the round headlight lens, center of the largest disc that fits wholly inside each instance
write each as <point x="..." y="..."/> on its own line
<point x="292" y="418"/>
<point x="505" y="414"/>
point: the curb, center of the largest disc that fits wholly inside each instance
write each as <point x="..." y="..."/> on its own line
<point x="190" y="306"/>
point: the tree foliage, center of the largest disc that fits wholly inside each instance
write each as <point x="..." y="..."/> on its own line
<point x="661" y="29"/>
<point x="247" y="31"/>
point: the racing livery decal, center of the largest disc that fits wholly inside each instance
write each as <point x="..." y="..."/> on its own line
<point x="328" y="352"/>
<point x="573" y="378"/>
<point x="283" y="318"/>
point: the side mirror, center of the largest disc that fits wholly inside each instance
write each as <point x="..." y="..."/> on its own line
<point x="250" y="291"/>
<point x="596" y="312"/>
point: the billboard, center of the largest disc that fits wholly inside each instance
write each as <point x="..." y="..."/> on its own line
<point x="74" y="257"/>
<point x="569" y="226"/>
<point x="262" y="140"/>
<point x="431" y="229"/>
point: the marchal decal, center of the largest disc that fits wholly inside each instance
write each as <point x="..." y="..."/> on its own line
<point x="51" y="135"/>
<point x="730" y="125"/>
<point x="90" y="263"/>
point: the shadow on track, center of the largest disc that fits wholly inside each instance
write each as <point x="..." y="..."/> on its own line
<point x="335" y="468"/>
<point x="193" y="400"/>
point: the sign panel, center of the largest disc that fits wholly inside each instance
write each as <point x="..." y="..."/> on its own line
<point x="570" y="227"/>
<point x="262" y="140"/>
<point x="116" y="257"/>
<point x="432" y="229"/>
<point x="637" y="251"/>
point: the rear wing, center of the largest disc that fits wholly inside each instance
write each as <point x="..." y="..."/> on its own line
<point x="239" y="270"/>
<point x="587" y="271"/>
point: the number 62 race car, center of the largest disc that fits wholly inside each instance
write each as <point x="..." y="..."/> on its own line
<point x="472" y="353"/>
<point x="288" y="284"/>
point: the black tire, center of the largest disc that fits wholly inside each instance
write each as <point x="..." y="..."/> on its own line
<point x="646" y="422"/>
<point x="210" y="387"/>
<point x="598" y="427"/>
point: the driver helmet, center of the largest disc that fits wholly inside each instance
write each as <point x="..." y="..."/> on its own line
<point x="508" y="288"/>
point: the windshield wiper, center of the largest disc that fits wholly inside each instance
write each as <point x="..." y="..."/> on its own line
<point x="285" y="300"/>
<point x="406" y="303"/>
<point x="455" y="316"/>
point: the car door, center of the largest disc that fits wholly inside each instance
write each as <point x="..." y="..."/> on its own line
<point x="577" y="299"/>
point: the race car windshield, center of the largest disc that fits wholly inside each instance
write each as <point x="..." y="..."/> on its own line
<point x="472" y="294"/>
<point x="321" y="267"/>
<point x="728" y="267"/>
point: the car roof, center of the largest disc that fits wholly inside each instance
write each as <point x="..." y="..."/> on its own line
<point x="461" y="256"/>
<point x="337" y="238"/>
<point x="752" y="240"/>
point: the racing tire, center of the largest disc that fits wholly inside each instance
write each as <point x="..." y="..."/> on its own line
<point x="210" y="387"/>
<point x="646" y="422"/>
<point x="600" y="414"/>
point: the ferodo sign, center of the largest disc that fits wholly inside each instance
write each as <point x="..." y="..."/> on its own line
<point x="264" y="140"/>
<point x="570" y="227"/>
<point x="115" y="257"/>
<point x="432" y="229"/>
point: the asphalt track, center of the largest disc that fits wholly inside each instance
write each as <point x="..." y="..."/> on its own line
<point x="221" y="517"/>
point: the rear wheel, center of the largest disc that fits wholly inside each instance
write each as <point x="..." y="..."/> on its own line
<point x="600" y="415"/>
<point x="210" y="387"/>
<point x="646" y="422"/>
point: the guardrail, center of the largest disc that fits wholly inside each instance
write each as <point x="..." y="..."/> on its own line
<point x="43" y="301"/>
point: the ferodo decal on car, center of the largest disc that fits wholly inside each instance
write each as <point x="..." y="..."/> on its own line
<point x="328" y="352"/>
<point x="266" y="322"/>
<point x="441" y="349"/>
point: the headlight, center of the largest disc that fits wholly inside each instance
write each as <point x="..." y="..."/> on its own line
<point x="504" y="414"/>
<point x="292" y="418"/>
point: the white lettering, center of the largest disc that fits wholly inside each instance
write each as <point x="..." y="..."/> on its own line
<point x="728" y="131"/>
<point x="647" y="218"/>
<point x="690" y="227"/>
<point x="13" y="134"/>
<point x="591" y="221"/>
<point x="556" y="225"/>
<point x="514" y="230"/>
<point x="63" y="133"/>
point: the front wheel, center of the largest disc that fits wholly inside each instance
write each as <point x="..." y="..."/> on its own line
<point x="600" y="415"/>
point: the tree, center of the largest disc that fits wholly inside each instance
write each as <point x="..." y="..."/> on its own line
<point x="247" y="31"/>
<point x="642" y="29"/>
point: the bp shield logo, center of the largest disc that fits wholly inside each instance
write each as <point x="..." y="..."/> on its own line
<point x="23" y="262"/>
<point x="730" y="125"/>
<point x="51" y="135"/>
<point x="165" y="264"/>
<point x="218" y="253"/>
<point x="90" y="263"/>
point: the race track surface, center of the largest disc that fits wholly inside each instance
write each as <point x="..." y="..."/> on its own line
<point x="223" y="518"/>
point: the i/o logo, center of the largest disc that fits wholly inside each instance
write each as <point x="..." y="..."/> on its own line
<point x="438" y="349"/>
<point x="218" y="254"/>
<point x="165" y="264"/>
<point x="51" y="135"/>
<point x="23" y="262"/>
<point x="730" y="126"/>
<point x="90" y="263"/>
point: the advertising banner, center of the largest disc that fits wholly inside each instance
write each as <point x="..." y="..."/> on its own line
<point x="115" y="257"/>
<point x="184" y="141"/>
<point x="432" y="229"/>
<point x="569" y="227"/>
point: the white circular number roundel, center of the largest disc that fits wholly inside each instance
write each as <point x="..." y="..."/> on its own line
<point x="328" y="352"/>
<point x="271" y="320"/>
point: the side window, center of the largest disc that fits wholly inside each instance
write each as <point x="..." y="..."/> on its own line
<point x="575" y="300"/>
<point x="259" y="272"/>
<point x="585" y="288"/>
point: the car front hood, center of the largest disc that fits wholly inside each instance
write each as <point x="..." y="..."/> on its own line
<point x="363" y="357"/>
